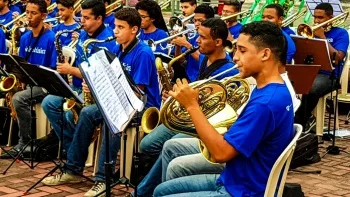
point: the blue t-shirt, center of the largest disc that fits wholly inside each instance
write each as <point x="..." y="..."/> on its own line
<point x="2" y="41"/>
<point x="158" y="34"/>
<point x="260" y="134"/>
<point x="221" y="69"/>
<point x="291" y="48"/>
<point x="44" y="53"/>
<point x="192" y="68"/>
<point x="140" y="64"/>
<point x="288" y="30"/>
<point x="109" y="21"/>
<point x="14" y="8"/>
<point x="65" y="38"/>
<point x="52" y="14"/>
<point x="235" y="30"/>
<point x="6" y="18"/>
<point x="339" y="39"/>
<point x="106" y="32"/>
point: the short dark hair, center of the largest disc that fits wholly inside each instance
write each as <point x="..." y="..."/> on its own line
<point x="264" y="34"/>
<point x="278" y="8"/>
<point x="130" y="15"/>
<point x="326" y="7"/>
<point x="218" y="29"/>
<point x="107" y="1"/>
<point x="206" y="10"/>
<point x="41" y="4"/>
<point x="151" y="7"/>
<point x="234" y="3"/>
<point x="191" y="2"/>
<point x="97" y="6"/>
<point x="66" y="3"/>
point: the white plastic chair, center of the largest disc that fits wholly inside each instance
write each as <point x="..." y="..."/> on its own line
<point x="8" y="46"/>
<point x="277" y="177"/>
<point x="69" y="52"/>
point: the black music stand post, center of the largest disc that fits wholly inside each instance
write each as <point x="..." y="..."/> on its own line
<point x="107" y="128"/>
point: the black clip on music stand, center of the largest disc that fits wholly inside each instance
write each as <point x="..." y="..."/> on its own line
<point x="14" y="65"/>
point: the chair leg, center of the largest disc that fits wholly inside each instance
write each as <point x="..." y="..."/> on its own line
<point x="10" y="133"/>
<point x="320" y="116"/>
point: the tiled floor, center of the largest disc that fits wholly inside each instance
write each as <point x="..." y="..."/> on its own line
<point x="332" y="182"/>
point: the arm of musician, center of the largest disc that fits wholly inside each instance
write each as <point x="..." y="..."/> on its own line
<point x="229" y="36"/>
<point x="65" y="68"/>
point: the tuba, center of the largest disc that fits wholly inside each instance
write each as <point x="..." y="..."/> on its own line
<point x="151" y="119"/>
<point x="219" y="101"/>
<point x="307" y="31"/>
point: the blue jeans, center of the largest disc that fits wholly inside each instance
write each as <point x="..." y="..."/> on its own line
<point x="152" y="144"/>
<point x="193" y="186"/>
<point x="77" y="138"/>
<point x="181" y="157"/>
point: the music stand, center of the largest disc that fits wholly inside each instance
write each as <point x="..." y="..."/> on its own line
<point x="302" y="76"/>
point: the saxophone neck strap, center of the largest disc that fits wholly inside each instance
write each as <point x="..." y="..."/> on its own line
<point x="206" y="71"/>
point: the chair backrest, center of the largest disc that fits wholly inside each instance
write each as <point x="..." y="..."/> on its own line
<point x="277" y="177"/>
<point x="70" y="53"/>
<point x="8" y="46"/>
<point x="344" y="75"/>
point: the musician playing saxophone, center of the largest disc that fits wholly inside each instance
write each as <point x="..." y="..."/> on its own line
<point x="338" y="42"/>
<point x="232" y="7"/>
<point x="66" y="12"/>
<point x="211" y="44"/>
<point x="202" y="12"/>
<point x="37" y="47"/>
<point x="274" y="13"/>
<point x="266" y="120"/>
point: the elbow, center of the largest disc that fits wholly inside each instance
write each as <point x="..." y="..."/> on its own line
<point x="220" y="157"/>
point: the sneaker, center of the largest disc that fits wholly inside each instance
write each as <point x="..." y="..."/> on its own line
<point x="96" y="189"/>
<point x="311" y="123"/>
<point x="61" y="178"/>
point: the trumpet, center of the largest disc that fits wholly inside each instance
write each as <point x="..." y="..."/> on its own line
<point x="242" y="14"/>
<point x="176" y="24"/>
<point x="114" y="6"/>
<point x="289" y="20"/>
<point x="153" y="44"/>
<point x="6" y="26"/>
<point x="308" y="32"/>
<point x="151" y="117"/>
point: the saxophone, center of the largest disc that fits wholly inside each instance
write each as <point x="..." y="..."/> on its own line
<point x="151" y="117"/>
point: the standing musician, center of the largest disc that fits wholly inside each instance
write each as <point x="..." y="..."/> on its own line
<point x="338" y="42"/>
<point x="274" y="13"/>
<point x="232" y="7"/>
<point x="37" y="47"/>
<point x="211" y="44"/>
<point x="202" y="12"/>
<point x="66" y="12"/>
<point x="5" y="12"/>
<point x="151" y="23"/>
<point x="138" y="60"/>
<point x="266" y="120"/>
<point x="109" y="19"/>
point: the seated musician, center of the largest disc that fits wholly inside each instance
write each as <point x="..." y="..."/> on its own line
<point x="37" y="47"/>
<point x="152" y="24"/>
<point x="5" y="12"/>
<point x="232" y="7"/>
<point x="338" y="42"/>
<point x="109" y="19"/>
<point x="138" y="60"/>
<point x="202" y="12"/>
<point x="267" y="119"/>
<point x="274" y="14"/>
<point x="211" y="45"/>
<point x="65" y="11"/>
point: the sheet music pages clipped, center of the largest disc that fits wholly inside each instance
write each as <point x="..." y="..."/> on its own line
<point x="109" y="91"/>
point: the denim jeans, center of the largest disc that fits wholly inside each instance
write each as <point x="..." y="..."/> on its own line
<point x="321" y="86"/>
<point x="152" y="144"/>
<point x="181" y="157"/>
<point x="21" y="102"/>
<point x="193" y="186"/>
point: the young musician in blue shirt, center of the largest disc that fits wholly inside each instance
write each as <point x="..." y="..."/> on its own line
<point x="274" y="13"/>
<point x="288" y="30"/>
<point x="65" y="11"/>
<point x="211" y="44"/>
<point x="338" y="42"/>
<point x="5" y="12"/>
<point x="152" y="21"/>
<point x="202" y="12"/>
<point x="232" y="7"/>
<point x="260" y="134"/>
<point x="37" y="47"/>
<point x="138" y="60"/>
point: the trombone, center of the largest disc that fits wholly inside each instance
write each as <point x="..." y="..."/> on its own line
<point x="243" y="14"/>
<point x="290" y="19"/>
<point x="176" y="24"/>
<point x="153" y="44"/>
<point x="6" y="26"/>
<point x="114" y="6"/>
<point x="308" y="32"/>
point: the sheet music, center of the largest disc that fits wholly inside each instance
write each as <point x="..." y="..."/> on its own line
<point x="111" y="90"/>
